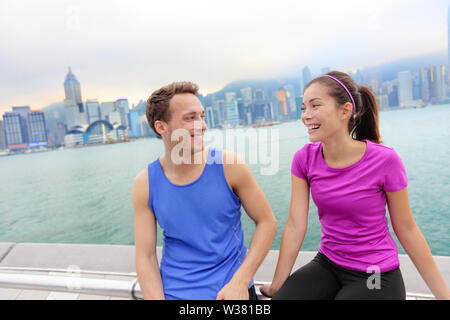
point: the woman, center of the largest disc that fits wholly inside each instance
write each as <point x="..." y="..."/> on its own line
<point x="351" y="176"/>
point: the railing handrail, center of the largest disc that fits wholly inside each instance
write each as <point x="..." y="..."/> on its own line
<point x="69" y="283"/>
<point x="104" y="287"/>
<point x="70" y="271"/>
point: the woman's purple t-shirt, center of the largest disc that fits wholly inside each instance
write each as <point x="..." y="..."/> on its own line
<point x="352" y="205"/>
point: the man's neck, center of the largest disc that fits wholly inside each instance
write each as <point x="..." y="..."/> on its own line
<point x="193" y="162"/>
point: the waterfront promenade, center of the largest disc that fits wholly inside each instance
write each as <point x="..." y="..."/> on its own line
<point x="47" y="271"/>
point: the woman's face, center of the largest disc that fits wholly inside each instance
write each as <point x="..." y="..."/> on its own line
<point x="320" y="114"/>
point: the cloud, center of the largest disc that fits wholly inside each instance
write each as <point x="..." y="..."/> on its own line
<point x="129" y="48"/>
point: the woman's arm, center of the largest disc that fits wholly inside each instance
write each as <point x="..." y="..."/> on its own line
<point x="414" y="243"/>
<point x="293" y="235"/>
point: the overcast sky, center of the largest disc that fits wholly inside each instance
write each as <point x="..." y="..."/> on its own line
<point x="130" y="48"/>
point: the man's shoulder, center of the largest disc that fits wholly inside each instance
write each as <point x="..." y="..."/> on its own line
<point x="231" y="158"/>
<point x="235" y="168"/>
<point x="141" y="178"/>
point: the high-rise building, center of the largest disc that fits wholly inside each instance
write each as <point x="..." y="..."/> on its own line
<point x="438" y="88"/>
<point x="73" y="115"/>
<point x="23" y="112"/>
<point x="38" y="129"/>
<point x="382" y="101"/>
<point x="274" y="110"/>
<point x="219" y="106"/>
<point x="93" y="110"/>
<point x="2" y="136"/>
<point x="114" y="118"/>
<point x="393" y="95"/>
<point x="298" y="104"/>
<point x="448" y="35"/>
<point x="405" y="88"/>
<point x="14" y="133"/>
<point x="246" y="96"/>
<point x="417" y="94"/>
<point x="232" y="113"/>
<point x="73" y="91"/>
<point x="325" y="70"/>
<point x="261" y="110"/>
<point x="121" y="106"/>
<point x="282" y="102"/>
<point x="73" y="104"/>
<point x="242" y="110"/>
<point x="290" y="98"/>
<point x="135" y="126"/>
<point x="209" y="117"/>
<point x="146" y="131"/>
<point x="25" y="128"/>
<point x="425" y="78"/>
<point x="106" y="109"/>
<point x="307" y="77"/>
<point x="259" y="94"/>
<point x="230" y="96"/>
<point x="302" y="86"/>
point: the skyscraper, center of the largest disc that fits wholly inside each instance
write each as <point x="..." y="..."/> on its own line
<point x="448" y="34"/>
<point x="437" y="82"/>
<point x="135" y="126"/>
<point x="73" y="105"/>
<point x="38" y="129"/>
<point x="209" y="117"/>
<point x="405" y="89"/>
<point x="232" y="113"/>
<point x="307" y="77"/>
<point x="72" y="90"/>
<point x="290" y="98"/>
<point x="246" y="96"/>
<point x="2" y="136"/>
<point x="13" y="127"/>
<point x="325" y="70"/>
<point x="425" y="79"/>
<point x="121" y="106"/>
<point x="23" y="112"/>
<point x="259" y="94"/>
<point x="93" y="110"/>
<point x="230" y="96"/>
<point x="282" y="102"/>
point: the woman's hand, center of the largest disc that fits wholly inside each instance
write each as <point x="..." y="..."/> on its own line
<point x="267" y="290"/>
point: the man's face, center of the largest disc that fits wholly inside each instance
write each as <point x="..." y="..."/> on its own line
<point x="186" y="121"/>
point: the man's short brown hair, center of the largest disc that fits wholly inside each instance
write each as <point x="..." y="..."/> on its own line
<point x="158" y="102"/>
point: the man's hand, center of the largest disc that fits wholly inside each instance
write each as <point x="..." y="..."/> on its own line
<point x="233" y="291"/>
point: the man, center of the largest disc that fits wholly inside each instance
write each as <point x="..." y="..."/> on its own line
<point x="196" y="199"/>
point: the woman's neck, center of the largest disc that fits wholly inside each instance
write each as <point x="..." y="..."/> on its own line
<point x="340" y="149"/>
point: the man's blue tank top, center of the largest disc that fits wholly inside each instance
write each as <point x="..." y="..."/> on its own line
<point x="203" y="243"/>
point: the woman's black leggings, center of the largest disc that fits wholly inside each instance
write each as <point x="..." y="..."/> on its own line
<point x="322" y="279"/>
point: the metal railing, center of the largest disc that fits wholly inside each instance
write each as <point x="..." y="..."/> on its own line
<point x="72" y="281"/>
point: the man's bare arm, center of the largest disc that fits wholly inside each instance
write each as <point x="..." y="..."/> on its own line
<point x="145" y="240"/>
<point x="238" y="174"/>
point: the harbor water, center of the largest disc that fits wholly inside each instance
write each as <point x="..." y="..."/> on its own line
<point x="83" y="195"/>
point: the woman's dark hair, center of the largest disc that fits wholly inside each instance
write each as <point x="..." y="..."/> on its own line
<point x="158" y="102"/>
<point x="364" y="122"/>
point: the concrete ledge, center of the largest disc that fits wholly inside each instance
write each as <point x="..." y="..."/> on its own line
<point x="121" y="259"/>
<point x="5" y="247"/>
<point x="112" y="258"/>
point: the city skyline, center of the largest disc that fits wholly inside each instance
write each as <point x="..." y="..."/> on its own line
<point x="110" y="63"/>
